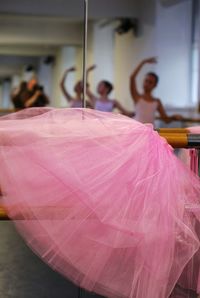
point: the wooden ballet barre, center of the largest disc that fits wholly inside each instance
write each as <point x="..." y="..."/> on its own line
<point x="6" y="111"/>
<point x="51" y="212"/>
<point x="176" y="140"/>
<point x="3" y="214"/>
<point x="173" y="130"/>
<point x="180" y="137"/>
<point x="176" y="137"/>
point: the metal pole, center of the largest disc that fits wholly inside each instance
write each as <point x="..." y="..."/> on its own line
<point x="193" y="140"/>
<point x="85" y="40"/>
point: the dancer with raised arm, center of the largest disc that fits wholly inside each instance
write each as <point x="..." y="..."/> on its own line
<point x="75" y="102"/>
<point x="146" y="105"/>
<point x="102" y="102"/>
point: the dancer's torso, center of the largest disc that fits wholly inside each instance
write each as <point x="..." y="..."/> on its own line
<point x="76" y="103"/>
<point x="104" y="106"/>
<point x="145" y="111"/>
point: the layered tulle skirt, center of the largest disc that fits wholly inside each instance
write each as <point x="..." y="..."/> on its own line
<point x="100" y="198"/>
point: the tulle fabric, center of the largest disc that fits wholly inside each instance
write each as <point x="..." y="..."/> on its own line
<point x="189" y="282"/>
<point x="101" y="198"/>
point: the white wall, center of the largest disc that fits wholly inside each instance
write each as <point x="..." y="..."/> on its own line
<point x="129" y="51"/>
<point x="39" y="31"/>
<point x="15" y="81"/>
<point x="66" y="57"/>
<point x="45" y="77"/>
<point x="103" y="54"/>
<point x="173" y="42"/>
<point x="6" y="88"/>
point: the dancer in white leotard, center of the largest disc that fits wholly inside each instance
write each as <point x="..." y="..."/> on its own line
<point x="145" y="111"/>
<point x="103" y="102"/>
<point x="146" y="105"/>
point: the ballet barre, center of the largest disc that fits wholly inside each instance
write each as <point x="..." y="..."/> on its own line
<point x="3" y="214"/>
<point x="180" y="138"/>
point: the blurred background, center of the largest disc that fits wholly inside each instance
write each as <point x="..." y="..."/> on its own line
<point x="45" y="37"/>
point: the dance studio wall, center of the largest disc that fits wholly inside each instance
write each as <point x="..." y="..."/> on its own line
<point x="129" y="51"/>
<point x="6" y="86"/>
<point x="65" y="58"/>
<point x="174" y="49"/>
<point x="165" y="33"/>
<point x="103" y="49"/>
<point x="45" y="76"/>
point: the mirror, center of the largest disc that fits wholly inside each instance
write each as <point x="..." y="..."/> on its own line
<point x="49" y="38"/>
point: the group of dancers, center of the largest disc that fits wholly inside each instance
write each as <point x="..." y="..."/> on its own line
<point x="101" y="197"/>
<point x="146" y="105"/>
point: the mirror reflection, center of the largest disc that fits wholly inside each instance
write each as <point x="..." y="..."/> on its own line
<point x="47" y="48"/>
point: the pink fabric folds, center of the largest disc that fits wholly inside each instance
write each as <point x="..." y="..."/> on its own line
<point x="101" y="198"/>
<point x="189" y="281"/>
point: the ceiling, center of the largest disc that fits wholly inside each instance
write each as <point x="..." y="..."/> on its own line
<point x="70" y="8"/>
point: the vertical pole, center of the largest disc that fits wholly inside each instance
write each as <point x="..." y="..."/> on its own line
<point x="85" y="40"/>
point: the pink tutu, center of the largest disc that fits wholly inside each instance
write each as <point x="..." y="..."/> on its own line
<point x="100" y="198"/>
<point x="190" y="277"/>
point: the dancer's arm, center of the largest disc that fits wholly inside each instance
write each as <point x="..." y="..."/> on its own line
<point x="90" y="94"/>
<point x="122" y="109"/>
<point x="164" y="115"/>
<point x="133" y="86"/>
<point x="30" y="101"/>
<point x="62" y="84"/>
